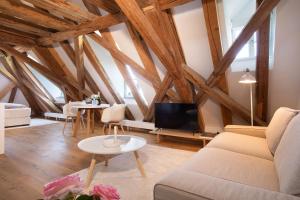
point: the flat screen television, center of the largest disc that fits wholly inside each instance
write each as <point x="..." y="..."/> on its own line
<point x="179" y="116"/>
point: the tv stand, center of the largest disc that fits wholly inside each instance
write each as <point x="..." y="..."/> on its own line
<point x="204" y="137"/>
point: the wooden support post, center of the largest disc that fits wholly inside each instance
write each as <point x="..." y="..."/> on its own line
<point x="12" y="95"/>
<point x="262" y="68"/>
<point x="78" y="43"/>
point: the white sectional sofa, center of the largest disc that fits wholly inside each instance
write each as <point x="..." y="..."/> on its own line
<point x="16" y="115"/>
<point x="261" y="163"/>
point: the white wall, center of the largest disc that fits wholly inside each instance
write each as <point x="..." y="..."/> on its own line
<point x="284" y="82"/>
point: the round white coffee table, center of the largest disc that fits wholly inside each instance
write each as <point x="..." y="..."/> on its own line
<point x="96" y="145"/>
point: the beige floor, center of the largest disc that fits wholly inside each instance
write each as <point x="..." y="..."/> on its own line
<point x="123" y="174"/>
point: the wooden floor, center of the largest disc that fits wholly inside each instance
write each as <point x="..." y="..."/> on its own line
<point x="37" y="155"/>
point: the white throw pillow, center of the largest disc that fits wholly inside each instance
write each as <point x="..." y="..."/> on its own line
<point x="287" y="158"/>
<point x="277" y="126"/>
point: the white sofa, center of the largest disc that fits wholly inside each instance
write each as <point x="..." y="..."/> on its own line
<point x="242" y="163"/>
<point x="16" y="115"/>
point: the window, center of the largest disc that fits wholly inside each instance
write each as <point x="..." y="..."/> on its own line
<point x="233" y="17"/>
<point x="127" y="92"/>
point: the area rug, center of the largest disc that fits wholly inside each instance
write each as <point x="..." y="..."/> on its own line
<point x="122" y="173"/>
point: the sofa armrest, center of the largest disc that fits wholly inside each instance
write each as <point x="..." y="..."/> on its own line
<point x="257" y="131"/>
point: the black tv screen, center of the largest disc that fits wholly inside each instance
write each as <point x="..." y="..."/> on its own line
<point x="179" y="116"/>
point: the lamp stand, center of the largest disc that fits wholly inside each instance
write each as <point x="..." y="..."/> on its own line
<point x="251" y="104"/>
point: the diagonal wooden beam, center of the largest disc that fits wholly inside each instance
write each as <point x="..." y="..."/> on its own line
<point x="21" y="25"/>
<point x="42" y="69"/>
<point x="35" y="81"/>
<point x="84" y="28"/>
<point x="63" y="8"/>
<point x="262" y="68"/>
<point x="254" y="23"/>
<point x="159" y="96"/>
<point x="136" y="16"/>
<point x="34" y="87"/>
<point x="6" y="89"/>
<point x="213" y="32"/>
<point x="122" y="57"/>
<point x="14" y="39"/>
<point x="219" y="96"/>
<point x="104" y="76"/>
<point x="89" y="80"/>
<point x="7" y="72"/>
<point x="107" y="5"/>
<point x="22" y="11"/>
<point x="12" y="95"/>
<point x="143" y="52"/>
<point x="261" y="14"/>
<point x="168" y="4"/>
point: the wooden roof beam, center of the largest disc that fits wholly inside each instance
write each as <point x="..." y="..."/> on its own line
<point x="255" y="22"/>
<point x="14" y="39"/>
<point x="134" y="13"/>
<point x="20" y="25"/>
<point x="27" y="13"/>
<point x="6" y="89"/>
<point x="107" y="5"/>
<point x="219" y="96"/>
<point x="103" y="75"/>
<point x="64" y="8"/>
<point x="214" y="39"/>
<point x="84" y="28"/>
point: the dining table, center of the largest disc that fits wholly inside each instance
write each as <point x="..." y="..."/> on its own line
<point x="90" y="109"/>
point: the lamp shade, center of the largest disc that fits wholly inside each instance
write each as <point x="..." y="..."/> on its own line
<point x="247" y="78"/>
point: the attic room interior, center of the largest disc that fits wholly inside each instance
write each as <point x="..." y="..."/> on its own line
<point x="149" y="99"/>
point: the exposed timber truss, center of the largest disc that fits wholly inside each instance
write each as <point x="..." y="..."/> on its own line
<point x="41" y="26"/>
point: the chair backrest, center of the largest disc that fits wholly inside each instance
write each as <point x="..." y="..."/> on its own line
<point x="69" y="110"/>
<point x="116" y="113"/>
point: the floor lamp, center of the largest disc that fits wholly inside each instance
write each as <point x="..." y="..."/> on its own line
<point x="247" y="78"/>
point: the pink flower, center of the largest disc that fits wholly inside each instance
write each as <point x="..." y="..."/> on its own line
<point x="59" y="188"/>
<point x="105" y="192"/>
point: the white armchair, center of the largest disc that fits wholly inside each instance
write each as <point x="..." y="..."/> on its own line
<point x="113" y="116"/>
<point x="70" y="112"/>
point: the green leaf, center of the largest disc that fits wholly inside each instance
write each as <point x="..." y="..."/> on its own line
<point x="85" y="197"/>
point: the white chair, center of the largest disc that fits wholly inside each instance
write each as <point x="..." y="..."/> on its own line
<point x="113" y="116"/>
<point x="70" y="113"/>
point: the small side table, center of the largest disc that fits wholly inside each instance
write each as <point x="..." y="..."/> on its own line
<point x="95" y="146"/>
<point x="90" y="116"/>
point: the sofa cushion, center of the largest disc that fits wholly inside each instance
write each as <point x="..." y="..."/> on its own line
<point x="287" y="158"/>
<point x="277" y="126"/>
<point x="235" y="167"/>
<point x="245" y="144"/>
<point x="189" y="185"/>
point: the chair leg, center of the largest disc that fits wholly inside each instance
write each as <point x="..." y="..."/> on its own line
<point x="65" y="124"/>
<point x="82" y="122"/>
<point x="122" y="128"/>
<point x="72" y="123"/>
<point x="109" y="129"/>
<point x="104" y="128"/>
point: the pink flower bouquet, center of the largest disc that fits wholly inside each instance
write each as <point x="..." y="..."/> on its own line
<point x="71" y="188"/>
